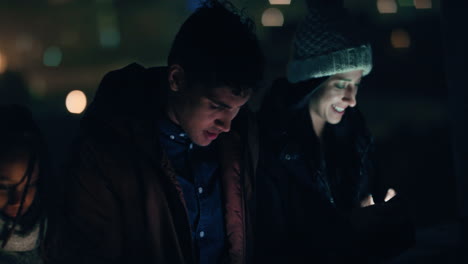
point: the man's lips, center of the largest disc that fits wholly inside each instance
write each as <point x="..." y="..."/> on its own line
<point x="211" y="135"/>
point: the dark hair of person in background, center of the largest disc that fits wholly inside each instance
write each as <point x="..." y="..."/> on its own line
<point x="24" y="172"/>
<point x="223" y="54"/>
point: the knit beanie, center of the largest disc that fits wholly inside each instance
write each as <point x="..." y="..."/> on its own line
<point x="327" y="43"/>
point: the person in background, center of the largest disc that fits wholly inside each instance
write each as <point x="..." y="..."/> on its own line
<point x="23" y="198"/>
<point x="315" y="202"/>
<point x="161" y="171"/>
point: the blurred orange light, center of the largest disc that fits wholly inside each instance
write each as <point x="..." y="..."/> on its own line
<point x="423" y="4"/>
<point x="75" y="102"/>
<point x="387" y="6"/>
<point x="280" y="2"/>
<point x="3" y="63"/>
<point x="400" y="39"/>
<point x="272" y="17"/>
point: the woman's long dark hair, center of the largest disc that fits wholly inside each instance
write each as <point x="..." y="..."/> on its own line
<point x="19" y="136"/>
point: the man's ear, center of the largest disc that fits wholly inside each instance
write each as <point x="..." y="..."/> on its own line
<point x="176" y="78"/>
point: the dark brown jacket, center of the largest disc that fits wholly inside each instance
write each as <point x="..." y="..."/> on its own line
<point x="123" y="203"/>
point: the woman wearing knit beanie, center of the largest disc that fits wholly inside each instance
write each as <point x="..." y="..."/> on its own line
<point x="313" y="189"/>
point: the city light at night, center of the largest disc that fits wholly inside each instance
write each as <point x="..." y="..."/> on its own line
<point x="423" y="4"/>
<point x="272" y="17"/>
<point x="400" y="39"/>
<point x="3" y="63"/>
<point x="387" y="6"/>
<point x="76" y="102"/>
<point x="280" y="2"/>
<point x="52" y="56"/>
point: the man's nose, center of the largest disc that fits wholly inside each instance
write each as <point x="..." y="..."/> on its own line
<point x="223" y="123"/>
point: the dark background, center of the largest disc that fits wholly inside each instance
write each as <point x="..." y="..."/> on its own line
<point x="405" y="98"/>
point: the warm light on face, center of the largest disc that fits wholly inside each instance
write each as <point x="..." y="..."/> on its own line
<point x="280" y="2"/>
<point x="400" y="39"/>
<point x="13" y="184"/>
<point x="387" y="6"/>
<point x="423" y="4"/>
<point x="272" y="17"/>
<point x="76" y="102"/>
<point x="3" y="63"/>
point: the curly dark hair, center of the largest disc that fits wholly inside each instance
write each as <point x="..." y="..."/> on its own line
<point x="217" y="46"/>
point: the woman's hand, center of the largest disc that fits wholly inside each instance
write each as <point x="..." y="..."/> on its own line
<point x="368" y="201"/>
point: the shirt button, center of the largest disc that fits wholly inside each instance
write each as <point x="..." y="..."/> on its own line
<point x="182" y="135"/>
<point x="172" y="137"/>
<point x="202" y="234"/>
<point x="287" y="157"/>
<point x="200" y="190"/>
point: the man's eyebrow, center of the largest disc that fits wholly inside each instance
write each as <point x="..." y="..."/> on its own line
<point x="219" y="103"/>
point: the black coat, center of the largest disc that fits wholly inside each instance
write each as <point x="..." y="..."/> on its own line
<point x="308" y="195"/>
<point x="304" y="210"/>
<point x="123" y="202"/>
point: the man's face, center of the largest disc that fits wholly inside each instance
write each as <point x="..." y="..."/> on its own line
<point x="203" y="115"/>
<point x="13" y="183"/>
<point x="334" y="96"/>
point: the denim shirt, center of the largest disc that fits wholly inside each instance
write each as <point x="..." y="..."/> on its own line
<point x="197" y="171"/>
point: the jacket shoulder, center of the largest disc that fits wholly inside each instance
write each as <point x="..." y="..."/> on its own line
<point x="129" y="91"/>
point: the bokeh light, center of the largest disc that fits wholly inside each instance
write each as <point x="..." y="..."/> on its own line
<point x="52" y="56"/>
<point x="76" y="102"/>
<point x="280" y="2"/>
<point x="3" y="63"/>
<point x="387" y="6"/>
<point x="423" y="4"/>
<point x="400" y="39"/>
<point x="272" y="17"/>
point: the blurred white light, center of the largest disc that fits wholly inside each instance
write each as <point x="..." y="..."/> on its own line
<point x="272" y="17"/>
<point x="3" y="63"/>
<point x="52" y="56"/>
<point x="280" y="2"/>
<point x="423" y="4"/>
<point x="400" y="39"/>
<point x="387" y="6"/>
<point x="75" y="102"/>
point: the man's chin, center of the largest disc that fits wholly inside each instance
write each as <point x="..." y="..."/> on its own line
<point x="202" y="143"/>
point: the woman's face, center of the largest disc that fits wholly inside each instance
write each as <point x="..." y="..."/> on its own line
<point x="334" y="96"/>
<point x="13" y="181"/>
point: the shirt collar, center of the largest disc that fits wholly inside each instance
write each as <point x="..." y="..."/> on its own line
<point x="172" y="131"/>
